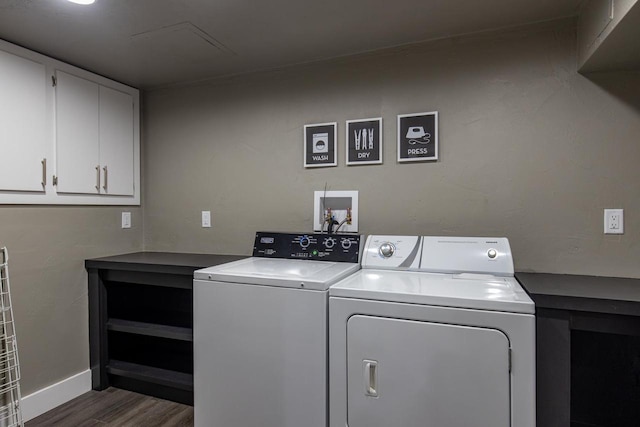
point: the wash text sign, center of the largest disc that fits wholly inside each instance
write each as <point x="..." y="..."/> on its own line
<point x="320" y="142"/>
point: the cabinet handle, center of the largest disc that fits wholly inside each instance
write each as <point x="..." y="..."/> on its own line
<point x="106" y="177"/>
<point x="44" y="172"/>
<point x="98" y="178"/>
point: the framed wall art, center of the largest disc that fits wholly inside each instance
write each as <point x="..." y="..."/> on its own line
<point x="418" y="137"/>
<point x="320" y="143"/>
<point x="364" y="141"/>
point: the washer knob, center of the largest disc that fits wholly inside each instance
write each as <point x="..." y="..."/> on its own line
<point x="305" y="242"/>
<point x="330" y="242"/>
<point x="492" y="253"/>
<point x="346" y="243"/>
<point x="386" y="249"/>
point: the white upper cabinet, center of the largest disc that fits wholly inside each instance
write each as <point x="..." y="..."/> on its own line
<point x="77" y="135"/>
<point x="94" y="138"/>
<point x="116" y="142"/>
<point x="67" y="136"/>
<point x="23" y="124"/>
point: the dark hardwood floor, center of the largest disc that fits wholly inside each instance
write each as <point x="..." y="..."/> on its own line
<point x="115" y="407"/>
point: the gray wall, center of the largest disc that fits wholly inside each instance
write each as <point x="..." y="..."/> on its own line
<point x="48" y="246"/>
<point x="529" y="149"/>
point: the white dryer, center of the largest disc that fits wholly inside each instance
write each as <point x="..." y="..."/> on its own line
<point x="432" y="331"/>
<point x="260" y="332"/>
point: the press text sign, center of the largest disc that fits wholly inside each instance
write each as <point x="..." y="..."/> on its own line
<point x="418" y="137"/>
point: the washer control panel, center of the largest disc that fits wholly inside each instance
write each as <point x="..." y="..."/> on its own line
<point x="320" y="247"/>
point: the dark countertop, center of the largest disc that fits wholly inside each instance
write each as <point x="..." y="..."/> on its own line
<point x="612" y="295"/>
<point x="160" y="262"/>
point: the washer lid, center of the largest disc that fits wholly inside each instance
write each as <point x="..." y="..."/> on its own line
<point x="466" y="290"/>
<point x="290" y="273"/>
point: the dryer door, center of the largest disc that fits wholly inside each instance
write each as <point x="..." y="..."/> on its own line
<point x="405" y="373"/>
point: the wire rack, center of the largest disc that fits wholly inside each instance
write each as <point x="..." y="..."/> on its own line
<point x="10" y="411"/>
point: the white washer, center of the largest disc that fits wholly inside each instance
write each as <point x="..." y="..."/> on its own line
<point x="433" y="331"/>
<point x="260" y="332"/>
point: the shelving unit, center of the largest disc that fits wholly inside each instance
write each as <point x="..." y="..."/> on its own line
<point x="10" y="397"/>
<point x="141" y="321"/>
<point x="588" y="344"/>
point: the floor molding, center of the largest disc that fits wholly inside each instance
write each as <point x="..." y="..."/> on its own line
<point x="55" y="395"/>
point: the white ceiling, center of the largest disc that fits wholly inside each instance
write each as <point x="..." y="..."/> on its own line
<point x="151" y="43"/>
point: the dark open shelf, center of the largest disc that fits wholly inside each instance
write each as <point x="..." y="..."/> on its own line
<point x="163" y="353"/>
<point x="150" y="304"/>
<point x="150" y="374"/>
<point x="150" y="329"/>
<point x="141" y="320"/>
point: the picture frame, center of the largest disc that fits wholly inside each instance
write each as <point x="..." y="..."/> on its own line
<point x="364" y="141"/>
<point x="418" y="137"/>
<point x="320" y="145"/>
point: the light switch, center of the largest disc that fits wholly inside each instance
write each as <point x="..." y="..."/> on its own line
<point x="126" y="219"/>
<point x="206" y="219"/>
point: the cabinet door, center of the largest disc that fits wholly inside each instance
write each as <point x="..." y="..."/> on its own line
<point x="77" y="135"/>
<point x="405" y="373"/>
<point x="23" y="142"/>
<point x="116" y="142"/>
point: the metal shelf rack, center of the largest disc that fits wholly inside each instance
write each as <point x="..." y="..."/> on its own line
<point x="10" y="410"/>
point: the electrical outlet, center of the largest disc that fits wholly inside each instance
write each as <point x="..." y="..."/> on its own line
<point x="126" y="219"/>
<point x="614" y="221"/>
<point x="206" y="219"/>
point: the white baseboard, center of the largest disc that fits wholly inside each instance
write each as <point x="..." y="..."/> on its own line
<point x="55" y="395"/>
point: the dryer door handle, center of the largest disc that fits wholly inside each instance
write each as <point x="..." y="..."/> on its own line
<point x="370" y="377"/>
